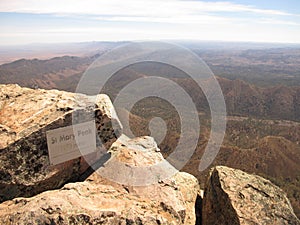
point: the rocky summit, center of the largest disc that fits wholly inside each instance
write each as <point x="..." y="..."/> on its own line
<point x="125" y="181"/>
<point x="234" y="197"/>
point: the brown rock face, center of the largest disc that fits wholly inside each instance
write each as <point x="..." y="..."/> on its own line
<point x="99" y="200"/>
<point x="25" y="116"/>
<point x="234" y="197"/>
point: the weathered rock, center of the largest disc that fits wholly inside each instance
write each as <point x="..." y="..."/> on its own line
<point x="235" y="197"/>
<point x="25" y="116"/>
<point x="99" y="200"/>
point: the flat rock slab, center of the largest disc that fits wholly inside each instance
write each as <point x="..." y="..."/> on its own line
<point x="25" y="116"/>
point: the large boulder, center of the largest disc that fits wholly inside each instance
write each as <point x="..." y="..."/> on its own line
<point x="234" y="197"/>
<point x="99" y="200"/>
<point x="25" y="117"/>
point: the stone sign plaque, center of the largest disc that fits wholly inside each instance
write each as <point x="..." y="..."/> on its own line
<point x="70" y="142"/>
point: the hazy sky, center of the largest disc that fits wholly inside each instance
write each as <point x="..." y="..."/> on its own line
<point x="47" y="21"/>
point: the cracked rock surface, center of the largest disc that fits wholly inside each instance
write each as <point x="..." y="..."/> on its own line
<point x="25" y="116"/>
<point x="99" y="200"/>
<point x="234" y="197"/>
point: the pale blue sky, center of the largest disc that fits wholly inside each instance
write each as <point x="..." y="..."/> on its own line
<point x="48" y="21"/>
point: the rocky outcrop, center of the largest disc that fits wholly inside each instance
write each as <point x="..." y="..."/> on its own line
<point x="25" y="116"/>
<point x="100" y="200"/>
<point x="130" y="184"/>
<point x="234" y="197"/>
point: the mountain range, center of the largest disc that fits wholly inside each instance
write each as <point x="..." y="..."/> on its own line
<point x="262" y="98"/>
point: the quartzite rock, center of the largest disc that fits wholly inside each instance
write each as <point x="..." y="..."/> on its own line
<point x="99" y="200"/>
<point x="25" y="116"/>
<point x="234" y="197"/>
